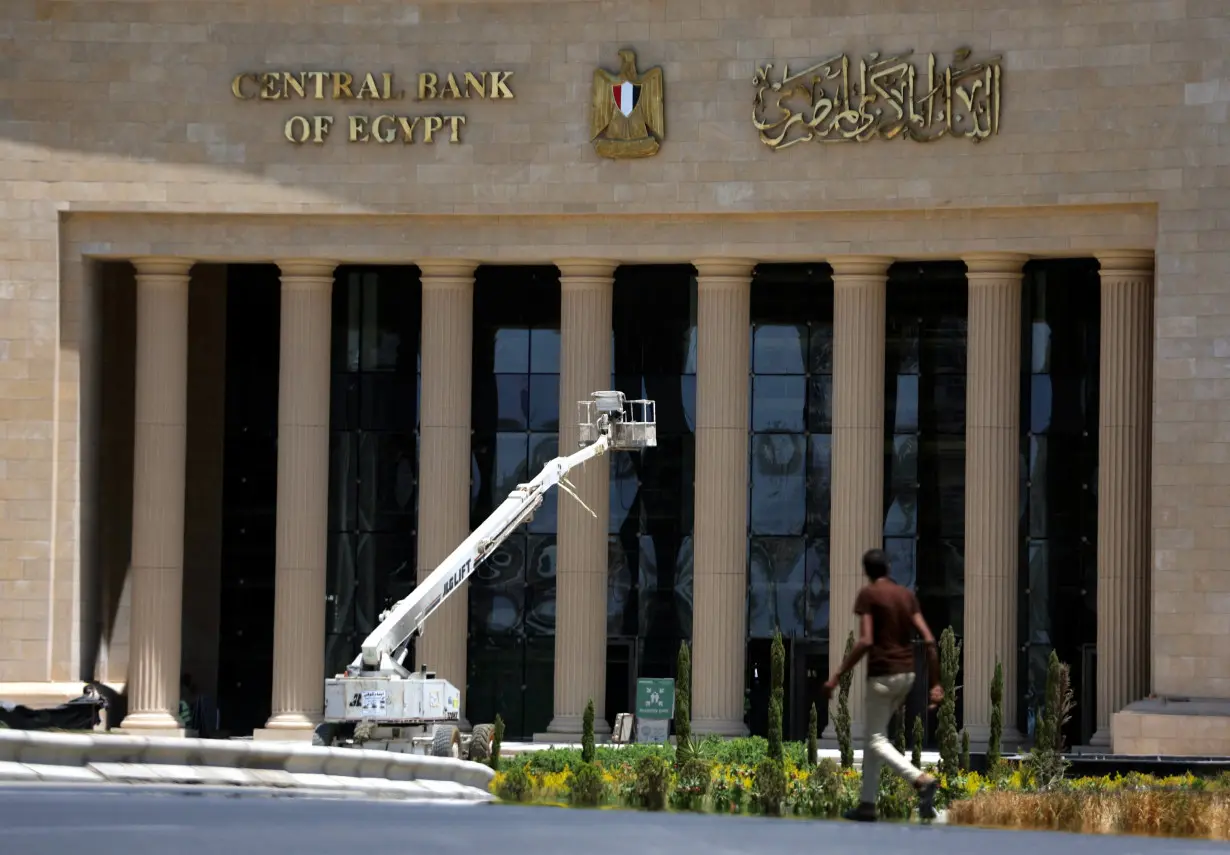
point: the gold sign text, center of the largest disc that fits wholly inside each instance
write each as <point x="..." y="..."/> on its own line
<point x="383" y="127"/>
<point x="837" y="100"/>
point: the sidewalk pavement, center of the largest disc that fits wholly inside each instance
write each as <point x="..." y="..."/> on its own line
<point x="64" y="758"/>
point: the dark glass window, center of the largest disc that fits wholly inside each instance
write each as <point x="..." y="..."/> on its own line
<point x="649" y="602"/>
<point x="1059" y="453"/>
<point x="373" y="452"/>
<point x="789" y="488"/>
<point x="515" y="418"/>
<point x="791" y="422"/>
<point x="249" y="497"/>
<point x="924" y="468"/>
<point x="924" y="445"/>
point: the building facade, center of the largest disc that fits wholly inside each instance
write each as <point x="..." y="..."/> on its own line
<point x="294" y="293"/>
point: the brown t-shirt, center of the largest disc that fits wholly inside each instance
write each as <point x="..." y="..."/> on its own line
<point x="892" y="608"/>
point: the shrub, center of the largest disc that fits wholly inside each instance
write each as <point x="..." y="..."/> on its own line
<point x="824" y="795"/>
<point x="653" y="782"/>
<point x="684" y="751"/>
<point x="1045" y="762"/>
<point x="777" y="669"/>
<point x="770" y="786"/>
<point x="692" y="785"/>
<point x="994" y="746"/>
<point x="1150" y="811"/>
<point x="841" y="721"/>
<point x="587" y="733"/>
<point x="587" y="787"/>
<point x="1063" y="702"/>
<point x="964" y="750"/>
<point x="515" y="785"/>
<point x="897" y="797"/>
<point x="496" y="741"/>
<point x="950" y="658"/>
<point x="920" y="735"/>
<point x="813" y="724"/>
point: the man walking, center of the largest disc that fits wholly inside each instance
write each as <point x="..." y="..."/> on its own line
<point x="888" y="617"/>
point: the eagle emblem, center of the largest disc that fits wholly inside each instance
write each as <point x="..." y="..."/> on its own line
<point x="626" y="117"/>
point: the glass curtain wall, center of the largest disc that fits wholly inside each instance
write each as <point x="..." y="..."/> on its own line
<point x="649" y="604"/>
<point x="373" y="451"/>
<point x="924" y="469"/>
<point x="1059" y="449"/>
<point x="789" y="482"/>
<point x="515" y="419"/>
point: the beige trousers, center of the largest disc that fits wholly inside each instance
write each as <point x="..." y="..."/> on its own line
<point x="885" y="695"/>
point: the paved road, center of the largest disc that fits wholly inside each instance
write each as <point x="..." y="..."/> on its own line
<point x="117" y="821"/>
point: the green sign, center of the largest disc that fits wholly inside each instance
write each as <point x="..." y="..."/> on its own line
<point x="655" y="698"/>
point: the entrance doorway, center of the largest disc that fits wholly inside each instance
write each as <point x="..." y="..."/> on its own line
<point x="806" y="669"/>
<point x="809" y="660"/>
<point x="621" y="671"/>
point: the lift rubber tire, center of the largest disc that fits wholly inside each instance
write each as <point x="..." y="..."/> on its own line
<point x="446" y="741"/>
<point x="480" y="742"/>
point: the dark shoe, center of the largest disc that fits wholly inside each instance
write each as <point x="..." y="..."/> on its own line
<point x="926" y="800"/>
<point x="863" y="813"/>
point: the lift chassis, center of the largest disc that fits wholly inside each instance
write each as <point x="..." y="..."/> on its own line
<point x="377" y="702"/>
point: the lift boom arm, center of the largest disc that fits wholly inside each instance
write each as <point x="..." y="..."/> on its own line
<point x="406" y="619"/>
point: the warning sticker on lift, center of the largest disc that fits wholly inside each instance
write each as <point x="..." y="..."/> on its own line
<point x="373" y="702"/>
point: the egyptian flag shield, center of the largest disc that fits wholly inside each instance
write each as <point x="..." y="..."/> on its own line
<point x="627" y="96"/>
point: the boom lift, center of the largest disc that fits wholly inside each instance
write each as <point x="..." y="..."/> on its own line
<point x="378" y="702"/>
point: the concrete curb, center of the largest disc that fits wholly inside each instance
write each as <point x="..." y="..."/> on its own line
<point x="80" y="758"/>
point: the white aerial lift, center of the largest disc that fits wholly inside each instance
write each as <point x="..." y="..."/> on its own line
<point x="378" y="702"/>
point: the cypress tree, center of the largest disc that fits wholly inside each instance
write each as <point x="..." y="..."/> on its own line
<point x="684" y="750"/>
<point x="994" y="747"/>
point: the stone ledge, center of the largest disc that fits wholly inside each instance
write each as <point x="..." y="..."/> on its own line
<point x="249" y="780"/>
<point x="88" y="752"/>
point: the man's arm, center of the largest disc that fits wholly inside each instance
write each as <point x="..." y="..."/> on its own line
<point x="933" y="658"/>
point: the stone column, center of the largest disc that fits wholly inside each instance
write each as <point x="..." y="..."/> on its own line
<point x="303" y="500"/>
<point x="1124" y="436"/>
<point x="581" y="577"/>
<point x="992" y="489"/>
<point x="444" y="456"/>
<point x="857" y="516"/>
<point x="719" y="595"/>
<point x="159" y="458"/>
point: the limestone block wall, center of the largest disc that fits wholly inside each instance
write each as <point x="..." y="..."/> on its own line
<point x="120" y="136"/>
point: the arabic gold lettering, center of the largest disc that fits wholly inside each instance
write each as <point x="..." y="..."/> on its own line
<point x="888" y="98"/>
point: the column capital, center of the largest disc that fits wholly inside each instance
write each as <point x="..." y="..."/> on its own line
<point x="724" y="268"/>
<point x="446" y="272"/>
<point x="860" y="266"/>
<point x="305" y="273"/>
<point x="1125" y="263"/>
<point x="162" y="267"/>
<point x="991" y="266"/>
<point x="578" y="271"/>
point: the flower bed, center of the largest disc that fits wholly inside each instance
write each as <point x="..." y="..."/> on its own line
<point x="733" y="777"/>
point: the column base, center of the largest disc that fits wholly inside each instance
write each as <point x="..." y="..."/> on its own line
<point x="1010" y="740"/>
<point x="718" y="727"/>
<point x="1100" y="738"/>
<point x="856" y="733"/>
<point x="152" y="724"/>
<point x="570" y="728"/>
<point x="291" y="722"/>
<point x="283" y="734"/>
